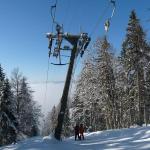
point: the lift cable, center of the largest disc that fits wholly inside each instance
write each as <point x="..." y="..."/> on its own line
<point x="108" y="21"/>
<point x="112" y="3"/>
<point x="99" y="20"/>
<point x="46" y="82"/>
<point x="53" y="14"/>
<point x="94" y="29"/>
<point x="48" y="64"/>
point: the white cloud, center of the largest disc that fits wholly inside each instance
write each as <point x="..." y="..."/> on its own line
<point x="47" y="98"/>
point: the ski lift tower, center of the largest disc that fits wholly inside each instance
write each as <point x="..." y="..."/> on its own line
<point x="79" y="44"/>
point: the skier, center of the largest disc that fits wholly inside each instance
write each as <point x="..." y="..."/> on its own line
<point x="81" y="131"/>
<point x="76" y="130"/>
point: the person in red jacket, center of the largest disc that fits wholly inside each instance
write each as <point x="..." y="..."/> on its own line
<point x="81" y="131"/>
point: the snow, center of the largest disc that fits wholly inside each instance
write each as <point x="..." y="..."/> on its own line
<point x="135" y="138"/>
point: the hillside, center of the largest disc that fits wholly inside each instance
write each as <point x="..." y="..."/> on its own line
<point x="136" y="138"/>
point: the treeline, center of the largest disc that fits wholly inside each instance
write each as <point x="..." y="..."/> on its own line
<point x="114" y="92"/>
<point x="111" y="91"/>
<point x="19" y="114"/>
<point x="50" y="122"/>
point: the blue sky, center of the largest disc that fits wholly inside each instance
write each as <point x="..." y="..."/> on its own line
<point x="23" y="24"/>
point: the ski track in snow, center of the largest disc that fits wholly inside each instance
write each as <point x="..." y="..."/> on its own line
<point x="137" y="138"/>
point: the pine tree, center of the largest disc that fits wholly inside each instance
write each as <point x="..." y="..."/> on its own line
<point x="133" y="56"/>
<point x="106" y="82"/>
<point x="95" y="101"/>
<point x="147" y="95"/>
<point x="50" y="122"/>
<point x="26" y="118"/>
<point x="53" y="118"/>
<point x="37" y="114"/>
<point x="83" y="111"/>
<point x="46" y="125"/>
<point x="8" y="122"/>
<point x="122" y="94"/>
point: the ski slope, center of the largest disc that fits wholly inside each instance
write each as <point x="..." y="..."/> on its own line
<point x="135" y="138"/>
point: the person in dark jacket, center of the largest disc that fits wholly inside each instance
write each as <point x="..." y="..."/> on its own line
<point x="76" y="130"/>
<point x="81" y="131"/>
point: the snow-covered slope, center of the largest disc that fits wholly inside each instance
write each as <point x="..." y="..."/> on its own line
<point x="125" y="139"/>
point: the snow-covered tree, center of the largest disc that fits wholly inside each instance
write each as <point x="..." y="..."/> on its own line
<point x="8" y="122"/>
<point x="27" y="110"/>
<point x="106" y="81"/>
<point x="50" y="121"/>
<point x="134" y="56"/>
<point x="83" y="97"/>
<point x="27" y="122"/>
<point x="147" y="95"/>
<point x="16" y="78"/>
